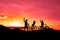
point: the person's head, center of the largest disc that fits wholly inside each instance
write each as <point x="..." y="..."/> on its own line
<point x="26" y="19"/>
<point x="42" y="20"/>
<point x="34" y="21"/>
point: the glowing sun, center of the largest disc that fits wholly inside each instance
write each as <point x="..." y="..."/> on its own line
<point x="16" y="24"/>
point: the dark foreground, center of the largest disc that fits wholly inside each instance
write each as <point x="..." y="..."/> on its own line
<point x="5" y="29"/>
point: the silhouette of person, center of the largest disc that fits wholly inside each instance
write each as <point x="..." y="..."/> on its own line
<point x="42" y="24"/>
<point x="33" y="24"/>
<point x="26" y="23"/>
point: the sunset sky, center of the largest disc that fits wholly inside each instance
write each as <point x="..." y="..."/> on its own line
<point x="47" y="10"/>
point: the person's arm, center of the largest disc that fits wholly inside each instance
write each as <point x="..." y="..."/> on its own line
<point x="24" y="20"/>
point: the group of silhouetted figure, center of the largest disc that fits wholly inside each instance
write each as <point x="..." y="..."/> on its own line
<point x="42" y="26"/>
<point x="33" y="24"/>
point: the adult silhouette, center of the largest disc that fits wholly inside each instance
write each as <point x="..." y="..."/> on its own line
<point x="26" y="23"/>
